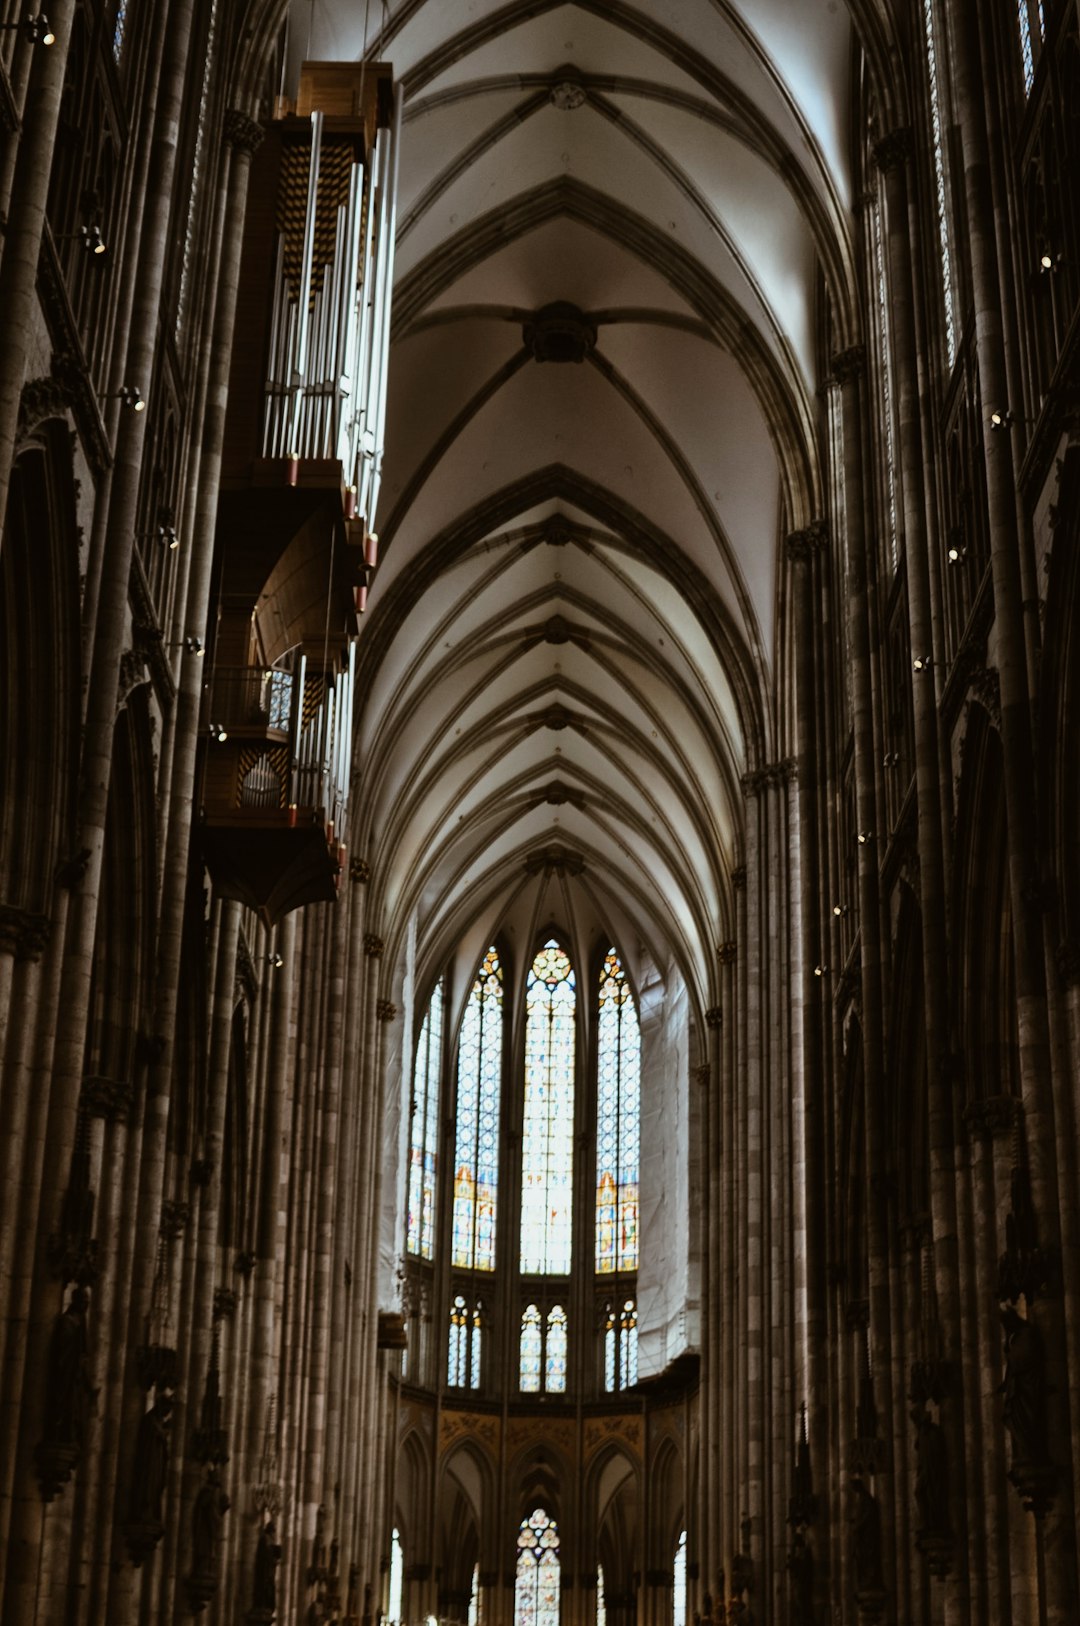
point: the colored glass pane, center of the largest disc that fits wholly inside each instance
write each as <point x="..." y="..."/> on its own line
<point x="601" y="1602"/>
<point x="678" y="1591"/>
<point x="611" y="1339"/>
<point x="628" y="1345"/>
<point x="119" y="25"/>
<point x="536" y="1593"/>
<point x="474" y="1349"/>
<point x="555" y="1352"/>
<point x="547" y="1158"/>
<point x="457" y="1363"/>
<point x="531" y="1349"/>
<point x="476" y="1146"/>
<point x="618" y="1120"/>
<point x="423" y="1152"/>
<point x="475" y="1616"/>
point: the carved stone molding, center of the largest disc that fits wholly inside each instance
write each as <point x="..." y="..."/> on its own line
<point x="360" y="871"/>
<point x="242" y="132"/>
<point x="769" y="776"/>
<point x="801" y="546"/>
<point x="558" y="531"/>
<point x="385" y="1010"/>
<point x="991" y="1115"/>
<point x="132" y="675"/>
<point x="894" y="149"/>
<point x="554" y="860"/>
<point x="22" y="933"/>
<point x="108" y="1098"/>
<point x="849" y="365"/>
<point x="41" y="399"/>
<point x="728" y="952"/>
<point x="374" y="947"/>
<point x="559" y="333"/>
<point x="174" y="1219"/>
<point x="568" y="95"/>
<point x="714" y="1016"/>
<point x="738" y="877"/>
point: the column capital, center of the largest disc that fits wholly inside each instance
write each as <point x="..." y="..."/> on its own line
<point x="360" y="870"/>
<point x="849" y="365"/>
<point x="242" y="132"/>
<point x="801" y="546"/>
<point x="385" y="1010"/>
<point x="894" y="149"/>
<point x="374" y="947"/>
<point x="727" y="954"/>
<point x="23" y="934"/>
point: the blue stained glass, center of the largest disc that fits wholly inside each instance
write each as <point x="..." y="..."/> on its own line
<point x="620" y="1346"/>
<point x="531" y="1349"/>
<point x="476" y="1150"/>
<point x="463" y="1352"/>
<point x="423" y="1152"/>
<point x="547" y="1159"/>
<point x="555" y="1352"/>
<point x="618" y="1121"/>
<point x="118" y="31"/>
<point x="536" y="1593"/>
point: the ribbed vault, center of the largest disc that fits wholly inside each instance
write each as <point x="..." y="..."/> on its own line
<point x="615" y="227"/>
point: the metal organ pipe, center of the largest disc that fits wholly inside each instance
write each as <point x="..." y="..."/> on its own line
<point x="391" y="231"/>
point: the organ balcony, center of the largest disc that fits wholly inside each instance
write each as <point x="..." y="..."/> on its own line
<point x="301" y="467"/>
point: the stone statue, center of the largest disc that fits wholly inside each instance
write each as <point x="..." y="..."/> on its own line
<point x="1023" y="1388"/>
<point x="931" y="1475"/>
<point x="864" y="1516"/>
<point x="211" y="1506"/>
<point x="151" y="1463"/>
<point x="267" y="1559"/>
<point x="70" y="1394"/>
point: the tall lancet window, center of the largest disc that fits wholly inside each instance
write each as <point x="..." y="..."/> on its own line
<point x="424" y="1151"/>
<point x="618" y="1121"/>
<point x="937" y="129"/>
<point x="1025" y="10"/>
<point x="476" y="1152"/>
<point x="547" y="1157"/>
<point x="678" y="1591"/>
<point x="536" y="1594"/>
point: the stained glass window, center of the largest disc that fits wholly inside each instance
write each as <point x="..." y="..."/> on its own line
<point x="618" y="1117"/>
<point x="475" y="1615"/>
<point x="601" y="1602"/>
<point x="476" y="1151"/>
<point x="531" y="1350"/>
<point x="885" y="358"/>
<point x="555" y="1352"/>
<point x="423" y="1153"/>
<point x="464" y="1345"/>
<point x="937" y="130"/>
<point x="119" y="24"/>
<point x="678" y="1591"/>
<point x="397" y="1572"/>
<point x="547" y="1157"/>
<point x="620" y="1345"/>
<point x="536" y="1594"/>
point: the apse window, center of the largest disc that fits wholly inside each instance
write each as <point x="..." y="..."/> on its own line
<point x="476" y="1148"/>
<point x="547" y="1139"/>
<point x="620" y="1345"/>
<point x="543" y="1351"/>
<point x="536" y="1592"/>
<point x="465" y="1343"/>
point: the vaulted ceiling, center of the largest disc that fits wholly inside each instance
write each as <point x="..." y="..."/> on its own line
<point x="615" y="225"/>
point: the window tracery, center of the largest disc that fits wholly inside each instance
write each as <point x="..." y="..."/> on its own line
<point x="547" y="1139"/>
<point x="423" y="1153"/>
<point x="620" y="1345"/>
<point x="465" y="1343"/>
<point x="476" y="1153"/>
<point x="940" y="179"/>
<point x="536" y="1593"/>
<point x="618" y="1095"/>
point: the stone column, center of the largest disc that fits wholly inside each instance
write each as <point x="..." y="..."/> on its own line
<point x="1059" y="1525"/>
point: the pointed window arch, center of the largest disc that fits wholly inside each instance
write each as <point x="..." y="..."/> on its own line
<point x="465" y="1343"/>
<point x="547" y="1155"/>
<point x="618" y="1120"/>
<point x="476" y="1147"/>
<point x="424" y="1150"/>
<point x="620" y="1345"/>
<point x="532" y="1349"/>
<point x="555" y="1352"/>
<point x="536" y="1593"/>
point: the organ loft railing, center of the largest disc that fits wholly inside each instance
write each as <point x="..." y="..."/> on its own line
<point x="300" y="483"/>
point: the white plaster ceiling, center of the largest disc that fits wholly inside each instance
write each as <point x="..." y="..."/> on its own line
<point x="559" y="713"/>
